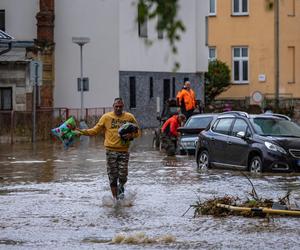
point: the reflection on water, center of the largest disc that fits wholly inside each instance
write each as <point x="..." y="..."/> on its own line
<point x="54" y="198"/>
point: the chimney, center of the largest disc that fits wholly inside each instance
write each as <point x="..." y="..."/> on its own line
<point x="44" y="48"/>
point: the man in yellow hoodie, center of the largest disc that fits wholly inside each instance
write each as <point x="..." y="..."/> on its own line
<point x="117" y="154"/>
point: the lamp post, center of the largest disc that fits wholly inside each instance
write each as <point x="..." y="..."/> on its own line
<point x="81" y="41"/>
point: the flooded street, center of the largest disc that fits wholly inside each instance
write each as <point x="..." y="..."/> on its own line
<point x="52" y="198"/>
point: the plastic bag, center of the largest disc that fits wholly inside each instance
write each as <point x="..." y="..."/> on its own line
<point x="66" y="132"/>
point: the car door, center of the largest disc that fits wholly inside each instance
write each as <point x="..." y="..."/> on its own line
<point x="218" y="140"/>
<point x="237" y="146"/>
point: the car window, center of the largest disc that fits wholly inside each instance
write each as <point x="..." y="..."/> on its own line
<point x="198" y="122"/>
<point x="275" y="127"/>
<point x="222" y="126"/>
<point x="239" y="126"/>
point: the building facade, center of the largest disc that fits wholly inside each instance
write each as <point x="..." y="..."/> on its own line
<point x="31" y="24"/>
<point x="258" y="39"/>
<point x="117" y="61"/>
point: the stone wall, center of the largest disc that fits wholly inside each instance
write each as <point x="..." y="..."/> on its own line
<point x="13" y="74"/>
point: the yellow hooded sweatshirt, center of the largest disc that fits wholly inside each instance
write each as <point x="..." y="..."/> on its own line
<point x="109" y="123"/>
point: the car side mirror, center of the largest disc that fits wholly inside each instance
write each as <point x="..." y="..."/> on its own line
<point x="241" y="134"/>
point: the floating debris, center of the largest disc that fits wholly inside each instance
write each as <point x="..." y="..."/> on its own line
<point x="253" y="206"/>
<point x="141" y="238"/>
<point x="228" y="205"/>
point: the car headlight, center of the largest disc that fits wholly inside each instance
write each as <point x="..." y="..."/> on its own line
<point x="274" y="147"/>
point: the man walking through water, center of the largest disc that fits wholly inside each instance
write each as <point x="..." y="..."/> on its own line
<point x="117" y="154"/>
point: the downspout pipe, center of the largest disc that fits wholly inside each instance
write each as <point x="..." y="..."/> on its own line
<point x="277" y="56"/>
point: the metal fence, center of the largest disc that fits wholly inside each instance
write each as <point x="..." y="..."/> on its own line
<point x="16" y="126"/>
<point x="286" y="105"/>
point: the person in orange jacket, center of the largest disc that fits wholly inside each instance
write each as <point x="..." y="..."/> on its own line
<point x="169" y="133"/>
<point x="187" y="100"/>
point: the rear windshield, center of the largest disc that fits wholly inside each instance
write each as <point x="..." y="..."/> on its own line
<point x="275" y="127"/>
<point x="198" y="122"/>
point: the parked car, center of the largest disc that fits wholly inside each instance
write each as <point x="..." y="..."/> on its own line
<point x="189" y="132"/>
<point x="258" y="143"/>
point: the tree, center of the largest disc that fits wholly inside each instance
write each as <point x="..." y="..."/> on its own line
<point x="217" y="80"/>
<point x="168" y="22"/>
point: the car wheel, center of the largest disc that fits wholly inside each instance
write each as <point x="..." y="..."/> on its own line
<point x="203" y="160"/>
<point x="255" y="165"/>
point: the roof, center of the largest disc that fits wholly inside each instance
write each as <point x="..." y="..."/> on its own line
<point x="5" y="37"/>
<point x="205" y="114"/>
<point x="263" y="115"/>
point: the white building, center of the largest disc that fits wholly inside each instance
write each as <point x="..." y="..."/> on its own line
<point x="117" y="60"/>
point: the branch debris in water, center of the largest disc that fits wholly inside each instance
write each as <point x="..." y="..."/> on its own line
<point x="211" y="207"/>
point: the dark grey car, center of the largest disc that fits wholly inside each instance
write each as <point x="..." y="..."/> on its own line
<point x="264" y="142"/>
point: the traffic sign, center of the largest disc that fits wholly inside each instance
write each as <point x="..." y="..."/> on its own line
<point x="36" y="72"/>
<point x="85" y="84"/>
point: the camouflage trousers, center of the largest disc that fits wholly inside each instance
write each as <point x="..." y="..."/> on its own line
<point x="117" y="167"/>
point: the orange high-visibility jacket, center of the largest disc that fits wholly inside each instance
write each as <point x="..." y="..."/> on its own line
<point x="188" y="96"/>
<point x="170" y="126"/>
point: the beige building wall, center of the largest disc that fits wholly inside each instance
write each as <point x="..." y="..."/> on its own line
<point x="290" y="48"/>
<point x="257" y="32"/>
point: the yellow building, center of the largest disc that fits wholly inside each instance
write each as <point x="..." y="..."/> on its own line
<point x="260" y="41"/>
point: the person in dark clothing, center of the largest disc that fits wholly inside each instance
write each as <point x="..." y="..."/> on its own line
<point x="169" y="133"/>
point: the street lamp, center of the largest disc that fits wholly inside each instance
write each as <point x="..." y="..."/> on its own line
<point x="81" y="41"/>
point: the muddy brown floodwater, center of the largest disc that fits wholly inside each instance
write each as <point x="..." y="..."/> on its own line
<point x="52" y="199"/>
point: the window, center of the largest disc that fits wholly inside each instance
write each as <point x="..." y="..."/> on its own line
<point x="151" y="87"/>
<point x="166" y="87"/>
<point x="240" y="65"/>
<point x="160" y="34"/>
<point x="132" y="92"/>
<point x="2" y="20"/>
<point x="291" y="65"/>
<point x="198" y="122"/>
<point x="212" y="53"/>
<point x="239" y="126"/>
<point x="5" y="98"/>
<point x="291" y="8"/>
<point x="222" y="126"/>
<point x="143" y="29"/>
<point x="240" y="7"/>
<point x="173" y="87"/>
<point x="212" y="8"/>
